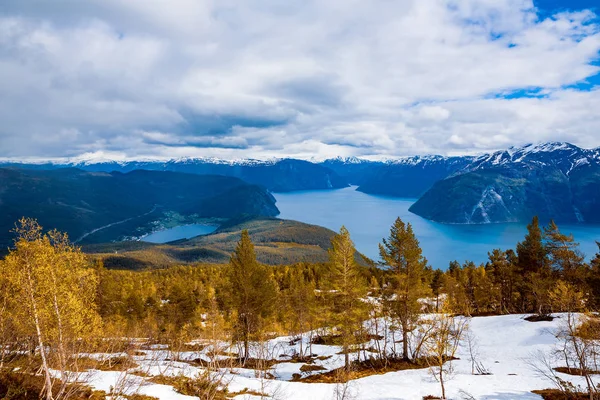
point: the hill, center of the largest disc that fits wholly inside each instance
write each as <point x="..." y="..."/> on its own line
<point x="99" y="206"/>
<point x="276" y="242"/>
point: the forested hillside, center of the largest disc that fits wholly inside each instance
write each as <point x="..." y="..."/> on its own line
<point x="100" y="207"/>
<point x="277" y="242"/>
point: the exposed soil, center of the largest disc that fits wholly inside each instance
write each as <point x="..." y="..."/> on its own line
<point x="539" y="318"/>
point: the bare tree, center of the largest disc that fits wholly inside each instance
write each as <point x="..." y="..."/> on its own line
<point x="442" y="346"/>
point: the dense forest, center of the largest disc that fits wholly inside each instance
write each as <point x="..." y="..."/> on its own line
<point x="57" y="303"/>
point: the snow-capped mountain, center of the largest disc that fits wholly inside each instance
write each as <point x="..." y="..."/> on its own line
<point x="555" y="180"/>
<point x="564" y="156"/>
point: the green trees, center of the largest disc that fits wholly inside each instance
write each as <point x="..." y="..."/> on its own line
<point x="564" y="255"/>
<point x="349" y="288"/>
<point x="533" y="264"/>
<point x="252" y="292"/>
<point x="300" y="306"/>
<point x="402" y="254"/>
<point x="49" y="293"/>
<point x="501" y="269"/>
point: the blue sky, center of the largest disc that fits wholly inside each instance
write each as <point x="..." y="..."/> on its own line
<point x="306" y="79"/>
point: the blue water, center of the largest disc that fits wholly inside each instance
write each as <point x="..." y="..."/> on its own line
<point x="368" y="218"/>
<point x="179" y="232"/>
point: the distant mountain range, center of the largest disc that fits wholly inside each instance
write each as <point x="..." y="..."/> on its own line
<point x="552" y="180"/>
<point x="277" y="175"/>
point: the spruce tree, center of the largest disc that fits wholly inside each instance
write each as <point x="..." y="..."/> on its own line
<point x="533" y="265"/>
<point x="348" y="288"/>
<point x="252" y="292"/>
<point x="403" y="255"/>
<point x="564" y="255"/>
<point x="531" y="253"/>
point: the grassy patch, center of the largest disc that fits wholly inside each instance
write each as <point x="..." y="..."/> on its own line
<point x="312" y="368"/>
<point x="360" y="369"/>
<point x="575" y="371"/>
<point x="555" y="394"/>
<point x="200" y="386"/>
<point x="24" y="386"/>
<point x="108" y="364"/>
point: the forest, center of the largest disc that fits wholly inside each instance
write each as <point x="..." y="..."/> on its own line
<point x="58" y="306"/>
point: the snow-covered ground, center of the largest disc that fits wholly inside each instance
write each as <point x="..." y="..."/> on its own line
<point x="506" y="346"/>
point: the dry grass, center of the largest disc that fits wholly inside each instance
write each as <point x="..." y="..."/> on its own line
<point x="361" y="369"/>
<point x="575" y="371"/>
<point x="108" y="364"/>
<point x="197" y="387"/>
<point x="555" y="394"/>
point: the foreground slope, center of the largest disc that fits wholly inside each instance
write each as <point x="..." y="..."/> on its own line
<point x="508" y="346"/>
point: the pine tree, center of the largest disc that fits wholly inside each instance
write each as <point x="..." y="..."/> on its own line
<point x="531" y="253"/>
<point x="403" y="255"/>
<point x="565" y="256"/>
<point x="252" y="290"/>
<point x="533" y="265"/>
<point x="502" y="273"/>
<point x="349" y="288"/>
<point x="301" y="304"/>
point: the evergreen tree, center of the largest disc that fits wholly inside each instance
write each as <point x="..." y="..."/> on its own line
<point x="349" y="288"/>
<point x="533" y="265"/>
<point x="252" y="292"/>
<point x="594" y="279"/>
<point x="564" y="255"/>
<point x="403" y="255"/>
<point x="301" y="304"/>
<point x="531" y="253"/>
<point x="502" y="272"/>
<point x="437" y="282"/>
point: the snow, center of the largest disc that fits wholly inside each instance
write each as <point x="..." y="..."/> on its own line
<point x="506" y="346"/>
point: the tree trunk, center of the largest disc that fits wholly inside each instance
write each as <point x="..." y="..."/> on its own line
<point x="405" y="356"/>
<point x="36" y="318"/>
<point x="442" y="382"/>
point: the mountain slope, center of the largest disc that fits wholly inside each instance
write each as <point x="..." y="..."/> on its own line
<point x="556" y="181"/>
<point x="411" y="177"/>
<point x="80" y="202"/>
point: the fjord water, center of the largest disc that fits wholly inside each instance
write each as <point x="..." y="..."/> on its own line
<point x="179" y="232"/>
<point x="368" y="218"/>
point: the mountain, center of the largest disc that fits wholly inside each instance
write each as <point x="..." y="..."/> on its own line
<point x="276" y="242"/>
<point x="276" y="175"/>
<point x="411" y="176"/>
<point x="101" y="206"/>
<point x="557" y="181"/>
<point x="355" y="170"/>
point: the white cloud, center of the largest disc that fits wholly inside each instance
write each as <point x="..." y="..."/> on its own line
<point x="315" y="78"/>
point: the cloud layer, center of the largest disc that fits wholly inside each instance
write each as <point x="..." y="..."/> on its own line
<point x="315" y="78"/>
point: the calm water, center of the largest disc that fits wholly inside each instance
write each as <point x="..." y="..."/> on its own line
<point x="179" y="232"/>
<point x="368" y="218"/>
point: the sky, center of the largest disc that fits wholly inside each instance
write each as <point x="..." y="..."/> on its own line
<point x="306" y="79"/>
